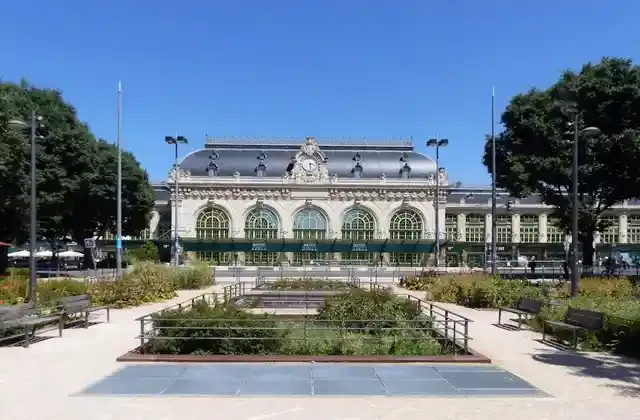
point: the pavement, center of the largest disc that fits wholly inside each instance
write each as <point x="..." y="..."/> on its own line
<point x="43" y="382"/>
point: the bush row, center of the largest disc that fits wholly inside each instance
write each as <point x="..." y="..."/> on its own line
<point x="307" y="283"/>
<point x="358" y="323"/>
<point x="145" y="283"/>
<point x="617" y="297"/>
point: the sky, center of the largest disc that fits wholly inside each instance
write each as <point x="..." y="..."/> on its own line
<point x="332" y="69"/>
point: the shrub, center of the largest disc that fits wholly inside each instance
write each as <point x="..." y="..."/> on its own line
<point x="216" y="329"/>
<point x="481" y="291"/>
<point x="145" y="283"/>
<point x="147" y="252"/>
<point x="612" y="287"/>
<point x="196" y="276"/>
<point x="308" y="283"/>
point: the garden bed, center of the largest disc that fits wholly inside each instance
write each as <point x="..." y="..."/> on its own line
<point x="361" y="326"/>
<point x="306" y="283"/>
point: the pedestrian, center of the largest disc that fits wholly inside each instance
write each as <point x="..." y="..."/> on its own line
<point x="532" y="265"/>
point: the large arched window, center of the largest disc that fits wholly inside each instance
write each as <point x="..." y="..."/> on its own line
<point x="261" y="223"/>
<point x="405" y="224"/>
<point x="213" y="223"/>
<point x="309" y="224"/>
<point x="358" y="225"/>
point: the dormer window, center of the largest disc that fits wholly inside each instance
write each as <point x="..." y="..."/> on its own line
<point x="262" y="156"/>
<point x="404" y="157"/>
<point x="357" y="171"/>
<point x="291" y="166"/>
<point x="405" y="172"/>
<point x="261" y="169"/>
<point x="212" y="169"/>
<point x="214" y="155"/>
<point x="357" y="157"/>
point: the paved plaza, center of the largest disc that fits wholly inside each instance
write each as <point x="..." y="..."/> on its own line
<point x="61" y="379"/>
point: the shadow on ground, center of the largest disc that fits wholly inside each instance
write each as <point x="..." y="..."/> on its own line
<point x="597" y="365"/>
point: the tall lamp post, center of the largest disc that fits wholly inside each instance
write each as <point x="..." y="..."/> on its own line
<point x="585" y="133"/>
<point x="437" y="143"/>
<point x="176" y="237"/>
<point x="32" y="125"/>
<point x="494" y="230"/>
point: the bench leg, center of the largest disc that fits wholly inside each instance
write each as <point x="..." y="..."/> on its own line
<point x="575" y="339"/>
<point x="86" y="320"/>
<point x="26" y="337"/>
<point x="519" y="321"/>
<point x="108" y="317"/>
<point x="544" y="331"/>
<point x="499" y="315"/>
<point x="60" y="326"/>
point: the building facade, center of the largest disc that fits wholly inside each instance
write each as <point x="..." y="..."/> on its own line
<point x="297" y="202"/>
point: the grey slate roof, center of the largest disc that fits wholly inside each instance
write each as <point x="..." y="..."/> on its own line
<point x="374" y="160"/>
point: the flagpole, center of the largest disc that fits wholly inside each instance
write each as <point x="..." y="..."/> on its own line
<point x="494" y="241"/>
<point x="119" y="189"/>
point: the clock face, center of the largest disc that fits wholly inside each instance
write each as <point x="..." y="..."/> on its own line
<point x="309" y="165"/>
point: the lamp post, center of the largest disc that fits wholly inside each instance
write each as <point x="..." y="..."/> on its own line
<point x="577" y="133"/>
<point x="33" y="125"/>
<point x="176" y="237"/>
<point x="494" y="231"/>
<point x="437" y="143"/>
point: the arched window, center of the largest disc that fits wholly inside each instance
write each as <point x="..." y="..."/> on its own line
<point x="309" y="224"/>
<point x="405" y="224"/>
<point x="358" y="225"/>
<point x="261" y="224"/>
<point x="213" y="223"/>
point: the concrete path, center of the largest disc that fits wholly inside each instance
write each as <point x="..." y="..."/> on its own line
<point x="40" y="383"/>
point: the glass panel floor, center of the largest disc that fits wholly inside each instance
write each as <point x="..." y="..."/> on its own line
<point x="308" y="379"/>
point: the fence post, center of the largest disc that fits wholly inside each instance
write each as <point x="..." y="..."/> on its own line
<point x="466" y="336"/>
<point x="142" y="335"/>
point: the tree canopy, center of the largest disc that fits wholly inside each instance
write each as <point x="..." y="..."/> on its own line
<point x="534" y="152"/>
<point x="75" y="173"/>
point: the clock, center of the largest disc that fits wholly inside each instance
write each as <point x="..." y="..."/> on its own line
<point x="309" y="165"/>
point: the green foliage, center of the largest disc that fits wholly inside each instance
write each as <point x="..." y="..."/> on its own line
<point x="534" y="152"/>
<point x="358" y="323"/>
<point x="197" y="276"/>
<point x="477" y="290"/>
<point x="216" y="329"/>
<point x="147" y="252"/>
<point x="307" y="283"/>
<point x="621" y="333"/>
<point x="144" y="284"/>
<point x="75" y="174"/>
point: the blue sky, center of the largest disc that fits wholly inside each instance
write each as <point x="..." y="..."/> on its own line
<point x="323" y="68"/>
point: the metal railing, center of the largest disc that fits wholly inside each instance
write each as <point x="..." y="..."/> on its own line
<point x="299" y="336"/>
<point x="233" y="291"/>
<point x="451" y="326"/>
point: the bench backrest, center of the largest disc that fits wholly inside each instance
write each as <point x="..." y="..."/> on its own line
<point x="590" y="320"/>
<point x="529" y="305"/>
<point x="75" y="303"/>
<point x="13" y="312"/>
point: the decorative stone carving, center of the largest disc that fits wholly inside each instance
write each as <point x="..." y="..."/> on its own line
<point x="310" y="146"/>
<point x="443" y="179"/>
<point x="236" y="175"/>
<point x="209" y="193"/>
<point x="383" y="178"/>
<point x="379" y="194"/>
<point x="334" y="178"/>
<point x="180" y="173"/>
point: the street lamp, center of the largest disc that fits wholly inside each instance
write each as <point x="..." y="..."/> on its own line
<point x="33" y="125"/>
<point x="176" y="237"/>
<point x="437" y="143"/>
<point x="585" y="133"/>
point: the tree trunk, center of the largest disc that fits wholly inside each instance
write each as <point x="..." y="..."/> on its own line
<point x="587" y="252"/>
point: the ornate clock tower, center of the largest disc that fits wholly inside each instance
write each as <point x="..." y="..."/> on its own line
<point x="311" y="163"/>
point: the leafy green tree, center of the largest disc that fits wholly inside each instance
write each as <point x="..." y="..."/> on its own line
<point x="97" y="208"/>
<point x="534" y="152"/>
<point x="147" y="252"/>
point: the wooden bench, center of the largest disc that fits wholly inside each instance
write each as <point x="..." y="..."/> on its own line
<point x="577" y="320"/>
<point x="81" y="304"/>
<point x="25" y="316"/>
<point x="523" y="308"/>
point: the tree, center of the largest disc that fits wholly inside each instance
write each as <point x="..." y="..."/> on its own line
<point x="65" y="149"/>
<point x="147" y="252"/>
<point x="96" y="211"/>
<point x="534" y="152"/>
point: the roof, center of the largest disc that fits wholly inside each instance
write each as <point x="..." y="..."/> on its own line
<point x="375" y="159"/>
